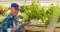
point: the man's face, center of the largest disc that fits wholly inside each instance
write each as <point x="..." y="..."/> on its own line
<point x="14" y="12"/>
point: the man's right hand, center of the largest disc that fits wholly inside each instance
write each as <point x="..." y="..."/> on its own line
<point x="14" y="28"/>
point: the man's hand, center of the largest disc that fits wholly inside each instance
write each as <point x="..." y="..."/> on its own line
<point x="14" y="28"/>
<point x="22" y="29"/>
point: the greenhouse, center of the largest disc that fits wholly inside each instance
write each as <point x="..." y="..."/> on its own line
<point x="33" y="15"/>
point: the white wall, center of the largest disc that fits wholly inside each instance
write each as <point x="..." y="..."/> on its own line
<point x="28" y="2"/>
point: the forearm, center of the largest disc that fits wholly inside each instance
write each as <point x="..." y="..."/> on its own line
<point x="4" y="29"/>
<point x="19" y="27"/>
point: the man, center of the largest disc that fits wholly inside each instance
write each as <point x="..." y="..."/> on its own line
<point x="11" y="20"/>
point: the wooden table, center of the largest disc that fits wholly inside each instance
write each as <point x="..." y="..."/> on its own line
<point x="40" y="27"/>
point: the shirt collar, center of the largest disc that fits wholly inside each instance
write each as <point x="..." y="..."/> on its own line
<point x="12" y="16"/>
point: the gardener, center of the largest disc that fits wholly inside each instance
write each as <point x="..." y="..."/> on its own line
<point x="11" y="20"/>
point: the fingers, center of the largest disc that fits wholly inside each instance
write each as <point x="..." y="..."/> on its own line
<point x="22" y="29"/>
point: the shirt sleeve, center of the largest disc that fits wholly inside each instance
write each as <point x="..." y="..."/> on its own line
<point x="4" y="25"/>
<point x="17" y="20"/>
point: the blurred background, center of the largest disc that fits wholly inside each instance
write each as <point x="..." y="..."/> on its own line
<point x="43" y="14"/>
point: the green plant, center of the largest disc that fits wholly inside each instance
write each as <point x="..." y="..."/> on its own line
<point x="33" y="11"/>
<point x="1" y="19"/>
<point x="22" y="8"/>
<point x="24" y="19"/>
<point x="52" y="10"/>
<point x="4" y="9"/>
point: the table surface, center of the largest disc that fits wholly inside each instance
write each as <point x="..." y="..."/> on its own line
<point x="39" y="28"/>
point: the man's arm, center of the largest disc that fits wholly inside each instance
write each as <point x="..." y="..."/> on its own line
<point x="4" y="25"/>
<point x="19" y="28"/>
<point x="14" y="28"/>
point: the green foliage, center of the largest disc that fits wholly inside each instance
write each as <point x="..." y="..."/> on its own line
<point x="43" y="14"/>
<point x="1" y="19"/>
<point x="4" y="9"/>
<point x="22" y="8"/>
<point x="51" y="11"/>
<point x="33" y="11"/>
<point x="24" y="19"/>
